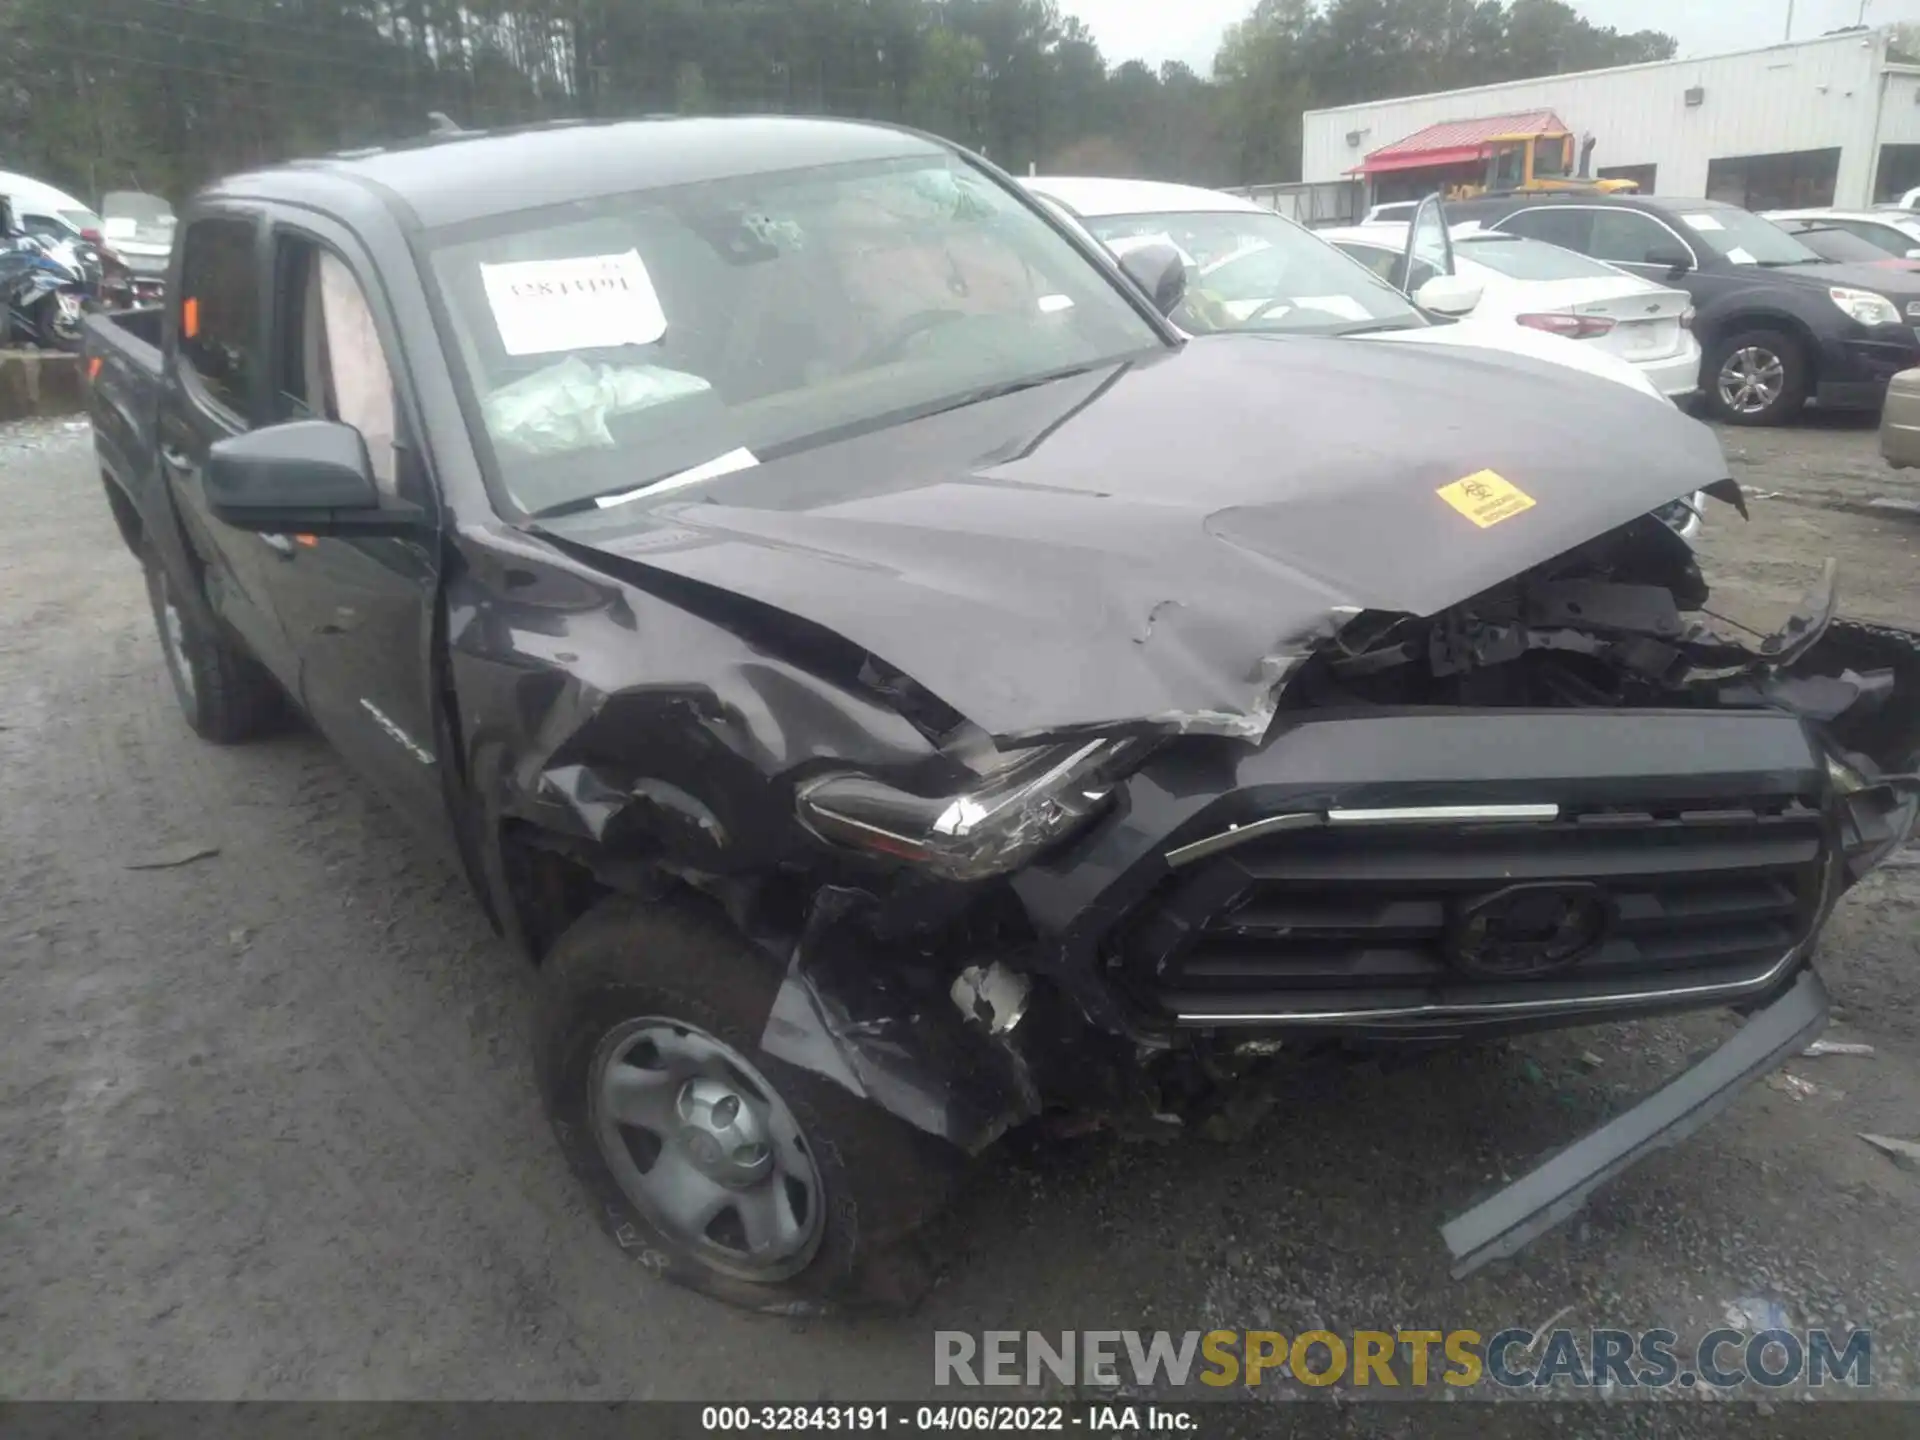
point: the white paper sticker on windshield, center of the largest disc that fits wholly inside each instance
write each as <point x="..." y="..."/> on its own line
<point x="1703" y="222"/>
<point x="589" y="301"/>
<point x="1052" y="304"/>
<point x="119" y="227"/>
<point x="1738" y="256"/>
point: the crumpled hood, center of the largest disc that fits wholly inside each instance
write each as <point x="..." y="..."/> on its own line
<point x="1159" y="541"/>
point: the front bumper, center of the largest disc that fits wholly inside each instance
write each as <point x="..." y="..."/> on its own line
<point x="1854" y="371"/>
<point x="1556" y="1189"/>
<point x="1318" y="885"/>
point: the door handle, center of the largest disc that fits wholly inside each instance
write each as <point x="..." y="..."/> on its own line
<point x="279" y="544"/>
<point x="177" y="460"/>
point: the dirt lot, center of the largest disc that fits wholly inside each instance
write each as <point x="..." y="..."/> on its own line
<point x="268" y="1129"/>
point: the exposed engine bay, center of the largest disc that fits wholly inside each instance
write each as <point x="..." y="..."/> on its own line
<point x="1622" y="621"/>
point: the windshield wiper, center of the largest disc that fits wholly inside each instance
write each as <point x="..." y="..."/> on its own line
<point x="1374" y="327"/>
<point x="981" y="394"/>
<point x="976" y="396"/>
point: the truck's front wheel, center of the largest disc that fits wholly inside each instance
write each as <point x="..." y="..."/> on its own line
<point x="712" y="1163"/>
<point x="224" y="694"/>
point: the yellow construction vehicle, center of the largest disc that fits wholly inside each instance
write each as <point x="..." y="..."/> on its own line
<point x="1536" y="161"/>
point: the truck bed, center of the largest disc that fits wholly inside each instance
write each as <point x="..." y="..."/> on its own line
<point x="122" y="350"/>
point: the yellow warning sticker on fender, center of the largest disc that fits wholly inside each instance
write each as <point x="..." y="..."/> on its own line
<point x="1486" y="498"/>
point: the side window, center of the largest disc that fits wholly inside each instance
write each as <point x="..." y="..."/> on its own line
<point x="220" y="310"/>
<point x="330" y="362"/>
<point x="1626" y="236"/>
<point x="1567" y="228"/>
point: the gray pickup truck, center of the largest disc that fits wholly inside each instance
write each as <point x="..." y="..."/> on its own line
<point x="899" y="688"/>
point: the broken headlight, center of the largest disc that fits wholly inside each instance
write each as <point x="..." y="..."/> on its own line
<point x="1682" y="516"/>
<point x="1017" y="810"/>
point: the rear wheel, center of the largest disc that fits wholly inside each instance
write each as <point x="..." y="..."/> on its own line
<point x="1756" y="377"/>
<point x="224" y="694"/>
<point x="712" y="1163"/>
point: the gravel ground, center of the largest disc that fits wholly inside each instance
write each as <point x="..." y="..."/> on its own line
<point x="269" y="1130"/>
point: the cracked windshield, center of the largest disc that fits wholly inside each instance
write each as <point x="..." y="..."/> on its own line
<point x="710" y="327"/>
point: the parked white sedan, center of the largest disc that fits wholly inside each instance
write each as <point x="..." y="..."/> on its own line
<point x="1543" y="287"/>
<point x="1251" y="268"/>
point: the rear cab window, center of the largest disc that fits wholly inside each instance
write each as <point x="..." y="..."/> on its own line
<point x="219" y="311"/>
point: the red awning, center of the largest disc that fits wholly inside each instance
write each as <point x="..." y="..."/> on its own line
<point x="1459" y="155"/>
<point x="1455" y="142"/>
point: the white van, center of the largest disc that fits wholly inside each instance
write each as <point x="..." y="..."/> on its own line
<point x="38" y="208"/>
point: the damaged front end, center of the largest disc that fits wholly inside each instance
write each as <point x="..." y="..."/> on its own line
<point x="1620" y="623"/>
<point x="1196" y="914"/>
<point x="1105" y="833"/>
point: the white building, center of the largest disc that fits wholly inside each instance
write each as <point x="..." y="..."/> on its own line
<point x="1814" y="122"/>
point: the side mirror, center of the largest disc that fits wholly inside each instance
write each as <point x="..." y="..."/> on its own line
<point x="1677" y="261"/>
<point x="307" y="476"/>
<point x="1157" y="269"/>
<point x="1448" y="295"/>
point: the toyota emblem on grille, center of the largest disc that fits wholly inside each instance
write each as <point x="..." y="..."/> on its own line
<point x="1529" y="929"/>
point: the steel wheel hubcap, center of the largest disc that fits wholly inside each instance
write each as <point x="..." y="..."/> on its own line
<point x="706" y="1149"/>
<point x="1751" y="379"/>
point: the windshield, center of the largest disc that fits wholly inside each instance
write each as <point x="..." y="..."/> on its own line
<point x="1839" y="245"/>
<point x="1252" y="270"/>
<point x="1744" y="238"/>
<point x="657" y="337"/>
<point x="1522" y="259"/>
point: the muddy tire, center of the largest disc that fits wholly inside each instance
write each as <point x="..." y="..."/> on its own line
<point x="711" y="1163"/>
<point x="225" y="695"/>
<point x="1755" y="377"/>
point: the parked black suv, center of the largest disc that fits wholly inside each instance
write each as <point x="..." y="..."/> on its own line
<point x="1777" y="324"/>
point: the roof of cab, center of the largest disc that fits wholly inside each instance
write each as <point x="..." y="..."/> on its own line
<point x="451" y="178"/>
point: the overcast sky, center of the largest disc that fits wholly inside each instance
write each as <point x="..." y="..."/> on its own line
<point x="1189" y="30"/>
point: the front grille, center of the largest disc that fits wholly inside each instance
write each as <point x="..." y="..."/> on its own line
<point x="1332" y="917"/>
